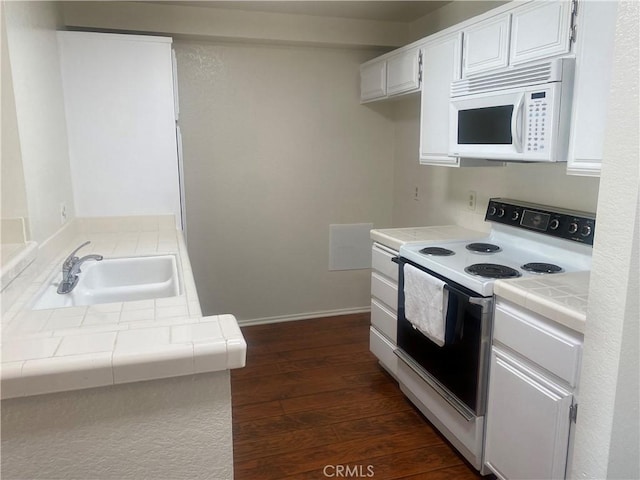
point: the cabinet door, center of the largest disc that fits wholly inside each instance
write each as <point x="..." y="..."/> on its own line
<point x="486" y="45"/>
<point x="403" y="72"/>
<point x="373" y="81"/>
<point x="440" y="66"/>
<point x="594" y="61"/>
<point x="540" y="30"/>
<point x="527" y="431"/>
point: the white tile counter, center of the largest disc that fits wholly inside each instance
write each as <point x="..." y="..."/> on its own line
<point x="561" y="297"/>
<point x="395" y="237"/>
<point x="54" y="350"/>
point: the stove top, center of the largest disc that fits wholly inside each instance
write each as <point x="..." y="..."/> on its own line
<point x="506" y="252"/>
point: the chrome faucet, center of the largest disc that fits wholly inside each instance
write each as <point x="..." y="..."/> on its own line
<point x="71" y="269"/>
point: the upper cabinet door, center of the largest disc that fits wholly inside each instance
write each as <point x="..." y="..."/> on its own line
<point x="486" y="45"/>
<point x="540" y="30"/>
<point x="441" y="66"/>
<point x="373" y="81"/>
<point x="403" y="72"/>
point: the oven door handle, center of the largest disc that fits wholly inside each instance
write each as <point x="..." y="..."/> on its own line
<point x="460" y="407"/>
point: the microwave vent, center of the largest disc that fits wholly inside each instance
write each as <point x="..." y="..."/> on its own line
<point x="540" y="73"/>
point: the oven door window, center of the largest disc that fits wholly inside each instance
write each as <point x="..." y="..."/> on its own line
<point x="485" y="126"/>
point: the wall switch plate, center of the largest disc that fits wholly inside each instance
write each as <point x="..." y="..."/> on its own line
<point x="471" y="200"/>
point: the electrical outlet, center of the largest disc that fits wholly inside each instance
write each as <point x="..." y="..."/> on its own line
<point x="416" y="195"/>
<point x="471" y="200"/>
<point x="63" y="213"/>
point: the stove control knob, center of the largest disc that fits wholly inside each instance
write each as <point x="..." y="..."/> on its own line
<point x="555" y="223"/>
<point x="515" y="215"/>
<point x="585" y="231"/>
<point x="573" y="227"/>
<point x="501" y="212"/>
<point x="492" y="211"/>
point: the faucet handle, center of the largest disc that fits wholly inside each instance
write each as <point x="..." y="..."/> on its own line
<point x="71" y="256"/>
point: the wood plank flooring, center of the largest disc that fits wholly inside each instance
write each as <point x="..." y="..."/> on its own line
<point x="313" y="403"/>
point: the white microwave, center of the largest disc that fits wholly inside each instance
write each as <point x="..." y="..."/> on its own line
<point x="522" y="114"/>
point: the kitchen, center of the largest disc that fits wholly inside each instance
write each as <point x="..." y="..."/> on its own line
<point x="284" y="168"/>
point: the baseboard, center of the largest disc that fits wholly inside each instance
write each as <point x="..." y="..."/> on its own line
<point x="303" y="316"/>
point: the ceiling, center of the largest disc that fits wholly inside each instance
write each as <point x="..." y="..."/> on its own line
<point x="396" y="11"/>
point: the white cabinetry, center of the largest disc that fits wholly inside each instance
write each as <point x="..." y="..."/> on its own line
<point x="397" y="73"/>
<point x="533" y="375"/>
<point x="594" y="54"/>
<point x="540" y="30"/>
<point x="529" y="32"/>
<point x="384" y="299"/>
<point x="373" y="80"/>
<point x="441" y="66"/>
<point x="486" y="45"/>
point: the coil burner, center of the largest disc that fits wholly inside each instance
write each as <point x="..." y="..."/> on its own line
<point x="492" y="270"/>
<point x="537" y="267"/>
<point x="437" y="251"/>
<point x="483" y="248"/>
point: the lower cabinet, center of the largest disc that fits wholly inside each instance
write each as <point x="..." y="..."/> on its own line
<point x="531" y="402"/>
<point x="527" y="431"/>
<point x="384" y="298"/>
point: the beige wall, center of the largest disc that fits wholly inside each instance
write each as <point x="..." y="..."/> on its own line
<point x="277" y="148"/>
<point x="37" y="85"/>
<point x="14" y="196"/>
<point x="607" y="438"/>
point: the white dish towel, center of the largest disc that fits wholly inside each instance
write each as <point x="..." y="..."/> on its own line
<point x="424" y="303"/>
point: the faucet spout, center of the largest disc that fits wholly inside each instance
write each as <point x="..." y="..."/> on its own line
<point x="71" y="269"/>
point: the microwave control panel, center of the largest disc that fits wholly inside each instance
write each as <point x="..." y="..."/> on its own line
<point x="567" y="224"/>
<point x="537" y="112"/>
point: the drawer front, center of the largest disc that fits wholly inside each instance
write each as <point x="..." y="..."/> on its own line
<point x="384" y="290"/>
<point x="384" y="319"/>
<point x="381" y="262"/>
<point x="383" y="350"/>
<point x="539" y="340"/>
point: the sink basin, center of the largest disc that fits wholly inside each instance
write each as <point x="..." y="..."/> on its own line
<point x="115" y="280"/>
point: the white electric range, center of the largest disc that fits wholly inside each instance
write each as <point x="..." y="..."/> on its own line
<point x="448" y="383"/>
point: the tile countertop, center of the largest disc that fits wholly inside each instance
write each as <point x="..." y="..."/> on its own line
<point x="561" y="297"/>
<point x="394" y="238"/>
<point x="55" y="350"/>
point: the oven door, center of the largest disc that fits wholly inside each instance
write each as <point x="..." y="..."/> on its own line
<point x="458" y="371"/>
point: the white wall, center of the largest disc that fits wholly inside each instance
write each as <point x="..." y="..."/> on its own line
<point x="607" y="433"/>
<point x="277" y="148"/>
<point x="177" y="428"/>
<point x="14" y="195"/>
<point x="37" y="86"/>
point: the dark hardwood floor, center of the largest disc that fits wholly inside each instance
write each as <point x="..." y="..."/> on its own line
<point x="313" y="403"/>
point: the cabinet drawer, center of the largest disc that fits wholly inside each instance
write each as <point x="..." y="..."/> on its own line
<point x="383" y="350"/>
<point x="381" y="262"/>
<point x="384" y="290"/>
<point x="538" y="339"/>
<point x="384" y="319"/>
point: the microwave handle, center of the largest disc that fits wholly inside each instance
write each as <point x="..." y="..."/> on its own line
<point x="516" y="125"/>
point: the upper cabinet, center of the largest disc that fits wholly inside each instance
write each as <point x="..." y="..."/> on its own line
<point x="394" y="74"/>
<point x="373" y="81"/>
<point x="594" y="61"/>
<point x="540" y="30"/>
<point x="441" y="61"/>
<point x="486" y="45"/>
<point x="530" y="32"/>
